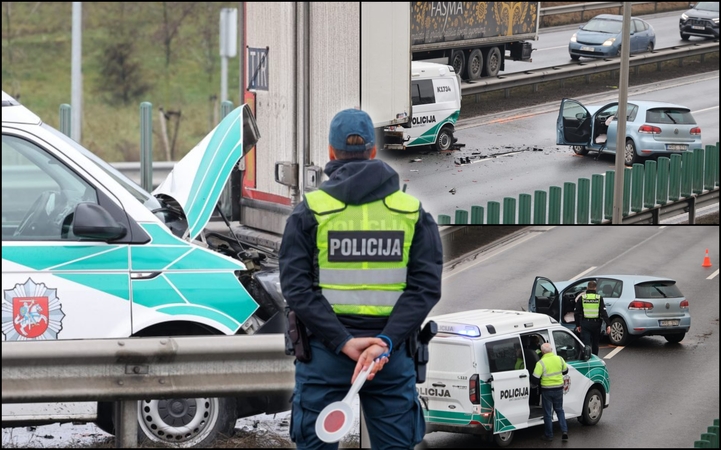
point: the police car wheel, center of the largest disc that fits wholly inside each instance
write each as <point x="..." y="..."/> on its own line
<point x="187" y="422"/>
<point x="592" y="408"/>
<point x="503" y="439"/>
<point x="619" y="332"/>
<point x="444" y="139"/>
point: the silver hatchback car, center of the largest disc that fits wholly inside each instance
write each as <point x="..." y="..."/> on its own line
<point x="638" y="305"/>
<point x="652" y="128"/>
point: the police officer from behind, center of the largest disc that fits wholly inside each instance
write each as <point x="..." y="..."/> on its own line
<point x="360" y="265"/>
<point x="590" y="311"/>
<point x="549" y="372"/>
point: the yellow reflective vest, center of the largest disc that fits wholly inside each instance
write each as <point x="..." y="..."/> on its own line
<point x="550" y="369"/>
<point x="591" y="305"/>
<point x="363" y="250"/>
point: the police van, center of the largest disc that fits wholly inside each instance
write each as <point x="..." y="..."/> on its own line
<point x="436" y="105"/>
<point x="89" y="254"/>
<point x="479" y="370"/>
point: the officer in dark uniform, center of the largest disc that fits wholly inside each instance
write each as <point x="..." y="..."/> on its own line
<point x="360" y="266"/>
<point x="590" y="311"/>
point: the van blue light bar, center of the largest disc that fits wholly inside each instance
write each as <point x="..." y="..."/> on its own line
<point x="459" y="329"/>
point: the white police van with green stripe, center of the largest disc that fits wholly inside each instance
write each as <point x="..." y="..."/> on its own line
<point x="86" y="253"/>
<point x="436" y="100"/>
<point x="479" y="370"/>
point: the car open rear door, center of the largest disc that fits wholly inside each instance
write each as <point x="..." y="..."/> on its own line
<point x="510" y="384"/>
<point x="573" y="126"/>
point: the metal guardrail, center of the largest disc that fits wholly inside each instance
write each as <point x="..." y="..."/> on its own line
<point x="127" y="370"/>
<point x="576" y="69"/>
<point x="131" y="169"/>
<point x="581" y="7"/>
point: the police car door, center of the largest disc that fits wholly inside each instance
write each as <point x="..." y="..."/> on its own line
<point x="510" y="384"/>
<point x="445" y="394"/>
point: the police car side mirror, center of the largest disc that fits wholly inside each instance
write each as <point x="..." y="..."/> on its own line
<point x="94" y="222"/>
<point x="587" y="353"/>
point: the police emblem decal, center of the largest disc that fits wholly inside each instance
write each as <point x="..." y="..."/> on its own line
<point x="31" y="311"/>
<point x="566" y="383"/>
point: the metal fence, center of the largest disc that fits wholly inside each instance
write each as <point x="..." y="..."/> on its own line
<point x="651" y="191"/>
<point x="131" y="369"/>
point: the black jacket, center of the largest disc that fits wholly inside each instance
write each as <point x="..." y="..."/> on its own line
<point x="578" y="313"/>
<point x="357" y="182"/>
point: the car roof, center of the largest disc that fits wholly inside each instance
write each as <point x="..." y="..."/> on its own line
<point x="617" y="17"/>
<point x="642" y="104"/>
<point x="14" y="112"/>
<point x="422" y="69"/>
<point x="627" y="278"/>
<point x="493" y="322"/>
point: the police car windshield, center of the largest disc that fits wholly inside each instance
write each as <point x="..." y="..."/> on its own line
<point x="139" y="193"/>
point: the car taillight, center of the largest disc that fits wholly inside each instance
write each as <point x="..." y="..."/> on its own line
<point x="474" y="392"/>
<point x="684" y="304"/>
<point x="650" y="129"/>
<point x="696" y="131"/>
<point x="638" y="304"/>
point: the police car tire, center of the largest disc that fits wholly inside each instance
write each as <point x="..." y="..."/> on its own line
<point x="444" y="141"/>
<point x="592" y="395"/>
<point x="503" y="439"/>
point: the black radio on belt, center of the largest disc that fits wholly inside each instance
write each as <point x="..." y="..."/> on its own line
<point x="421" y="353"/>
<point x="296" y="338"/>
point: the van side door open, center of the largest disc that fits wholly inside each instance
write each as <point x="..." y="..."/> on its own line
<point x="510" y="384"/>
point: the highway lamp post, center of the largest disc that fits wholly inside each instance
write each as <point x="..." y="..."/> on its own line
<point x="617" y="215"/>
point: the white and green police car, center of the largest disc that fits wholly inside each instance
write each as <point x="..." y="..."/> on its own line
<point x="87" y="253"/>
<point x="479" y="370"/>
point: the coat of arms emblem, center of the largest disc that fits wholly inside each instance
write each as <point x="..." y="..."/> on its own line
<point x="31" y="311"/>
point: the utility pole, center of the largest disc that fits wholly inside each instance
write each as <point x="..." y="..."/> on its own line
<point x="228" y="46"/>
<point x="76" y="84"/>
<point x="617" y="215"/>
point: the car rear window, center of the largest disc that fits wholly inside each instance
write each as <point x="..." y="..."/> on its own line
<point x="658" y="289"/>
<point x="670" y="115"/>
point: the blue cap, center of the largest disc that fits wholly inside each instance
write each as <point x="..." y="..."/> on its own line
<point x="347" y="123"/>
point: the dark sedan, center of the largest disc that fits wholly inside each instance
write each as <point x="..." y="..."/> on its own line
<point x="701" y="20"/>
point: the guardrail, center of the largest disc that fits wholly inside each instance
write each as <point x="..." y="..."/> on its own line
<point x="577" y="69"/>
<point x="591" y="6"/>
<point x="131" y="369"/>
<point x="651" y="192"/>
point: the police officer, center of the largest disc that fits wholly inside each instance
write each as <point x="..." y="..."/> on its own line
<point x="549" y="372"/>
<point x="590" y="311"/>
<point x="360" y="265"/>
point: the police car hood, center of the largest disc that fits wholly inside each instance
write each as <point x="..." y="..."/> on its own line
<point x="360" y="181"/>
<point x="197" y="180"/>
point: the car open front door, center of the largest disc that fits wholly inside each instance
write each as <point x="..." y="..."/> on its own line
<point x="573" y="126"/>
<point x="544" y="298"/>
<point x="510" y="384"/>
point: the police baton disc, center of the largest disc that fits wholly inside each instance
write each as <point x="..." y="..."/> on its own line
<point x="336" y="419"/>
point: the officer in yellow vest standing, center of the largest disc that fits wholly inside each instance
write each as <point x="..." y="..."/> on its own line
<point x="590" y="311"/>
<point x="360" y="266"/>
<point x="549" y="372"/>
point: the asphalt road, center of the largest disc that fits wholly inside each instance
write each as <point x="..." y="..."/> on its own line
<point x="662" y="395"/>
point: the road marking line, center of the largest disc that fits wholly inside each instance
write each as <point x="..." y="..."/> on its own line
<point x="551" y="48"/>
<point x="712" y="276"/>
<point x="613" y="353"/>
<point x="492" y="254"/>
<point x="583" y="273"/>
<point x="705" y="109"/>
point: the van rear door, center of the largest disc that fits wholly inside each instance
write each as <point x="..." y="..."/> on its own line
<point x="510" y="384"/>
<point x="445" y="395"/>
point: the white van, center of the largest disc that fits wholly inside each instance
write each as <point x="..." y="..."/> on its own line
<point x="89" y="254"/>
<point x="479" y="370"/>
<point x="436" y="103"/>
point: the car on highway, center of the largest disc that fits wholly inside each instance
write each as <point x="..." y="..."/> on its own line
<point x="637" y="305"/>
<point x="601" y="37"/>
<point x="701" y="20"/>
<point x="652" y="129"/>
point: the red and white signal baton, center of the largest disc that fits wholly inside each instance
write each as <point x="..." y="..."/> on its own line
<point x="336" y="419"/>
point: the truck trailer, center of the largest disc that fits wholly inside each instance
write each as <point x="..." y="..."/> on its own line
<point x="475" y="38"/>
